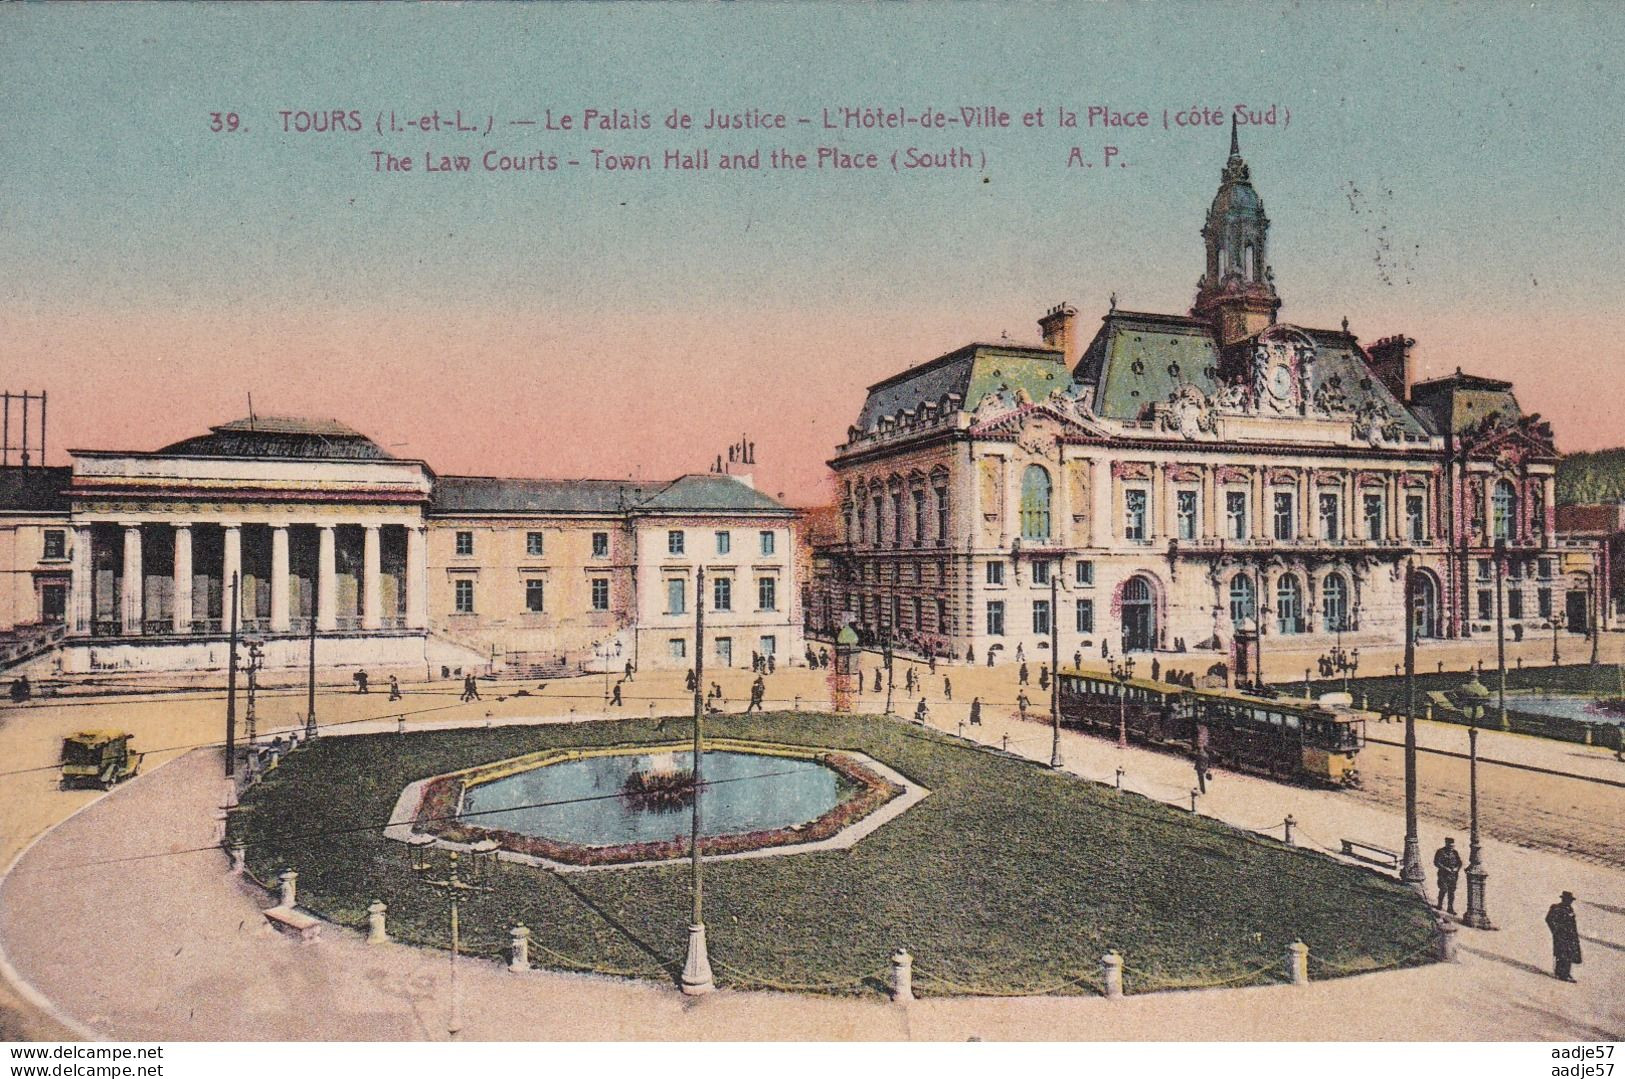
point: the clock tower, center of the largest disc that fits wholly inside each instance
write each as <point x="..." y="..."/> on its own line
<point x="1237" y="290"/>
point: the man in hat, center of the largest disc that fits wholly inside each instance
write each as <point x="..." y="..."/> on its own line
<point x="1565" y="937"/>
<point x="976" y="711"/>
<point x="1447" y="860"/>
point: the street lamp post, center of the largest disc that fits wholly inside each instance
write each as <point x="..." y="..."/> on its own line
<point x="256" y="661"/>
<point x="456" y="886"/>
<point x="1055" y="666"/>
<point x="697" y="966"/>
<point x="1411" y="872"/>
<point x="1471" y="699"/>
<point x="1122" y="672"/>
<point x="1558" y="622"/>
<point x="1500" y="637"/>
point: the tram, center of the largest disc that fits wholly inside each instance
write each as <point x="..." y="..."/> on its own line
<point x="1292" y="741"/>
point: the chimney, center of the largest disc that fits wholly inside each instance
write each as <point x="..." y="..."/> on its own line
<point x="1394" y="364"/>
<point x="1060" y="329"/>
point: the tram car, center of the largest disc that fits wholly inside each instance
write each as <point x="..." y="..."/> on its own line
<point x="1292" y="741"/>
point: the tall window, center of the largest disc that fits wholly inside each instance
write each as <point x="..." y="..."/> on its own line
<point x="1041" y="617"/>
<point x="1241" y="598"/>
<point x="1334" y="603"/>
<point x="676" y="596"/>
<point x="533" y="543"/>
<point x="767" y="594"/>
<point x="995" y="618"/>
<point x="56" y="543"/>
<point x="1331" y="516"/>
<point x="1086" y="616"/>
<point x="1416" y="518"/>
<point x="677" y="647"/>
<point x="942" y="515"/>
<point x="1040" y="573"/>
<point x="465" y="543"/>
<point x="863" y="522"/>
<point x="600" y="544"/>
<point x="725" y="542"/>
<point x="1134" y="527"/>
<point x="767" y="539"/>
<point x="1543" y="602"/>
<point x="1514" y="603"/>
<point x="600" y="593"/>
<point x="995" y="573"/>
<point x="1185" y="506"/>
<point x="919" y="613"/>
<point x="674" y="541"/>
<point x="1544" y="569"/>
<point x="722" y="594"/>
<point x="1035" y="492"/>
<point x="919" y="518"/>
<point x="1285" y="527"/>
<point x="1289" y="605"/>
<point x="897" y="519"/>
<point x="1371" y="506"/>
<point x="1486" y="604"/>
<point x="880" y="524"/>
<point x="1503" y="507"/>
<point x="1235" y="514"/>
<point x="463" y="596"/>
<point x="1537" y="509"/>
<point x="535" y="595"/>
<point x="1085" y="573"/>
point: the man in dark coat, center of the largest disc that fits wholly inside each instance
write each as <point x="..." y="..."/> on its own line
<point x="976" y="711"/>
<point x="1021" y="675"/>
<point x="1200" y="761"/>
<point x="947" y="688"/>
<point x="1565" y="937"/>
<point x="877" y="679"/>
<point x="1447" y="860"/>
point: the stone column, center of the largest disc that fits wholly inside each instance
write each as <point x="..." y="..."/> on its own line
<point x="80" y="589"/>
<point x="1101" y="527"/>
<point x="280" y="621"/>
<point x="182" y="615"/>
<point x="371" y="585"/>
<point x="327" y="615"/>
<point x="417" y="578"/>
<point x="1009" y="509"/>
<point x="1549" y="504"/>
<point x="231" y="565"/>
<point x="131" y="586"/>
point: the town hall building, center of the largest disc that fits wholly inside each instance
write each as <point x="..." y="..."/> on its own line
<point x="1191" y="483"/>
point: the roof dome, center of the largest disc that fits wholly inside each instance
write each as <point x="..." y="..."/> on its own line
<point x="281" y="436"/>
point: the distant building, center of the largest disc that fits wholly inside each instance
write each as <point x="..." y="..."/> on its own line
<point x="1599" y="527"/>
<point x="1193" y="483"/>
<point x="125" y="560"/>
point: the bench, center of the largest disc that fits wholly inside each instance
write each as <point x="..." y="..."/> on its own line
<point x="295" y="921"/>
<point x="1370" y="852"/>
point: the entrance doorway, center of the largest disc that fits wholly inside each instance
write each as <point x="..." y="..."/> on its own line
<point x="1139" y="616"/>
<point x="53" y="602"/>
<point x="1578" y="608"/>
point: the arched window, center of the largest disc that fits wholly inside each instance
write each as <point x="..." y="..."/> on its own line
<point x="1242" y="598"/>
<point x="1504" y="511"/>
<point x="1334" y="603"/>
<point x="1289" y="605"/>
<point x="1035" y="492"/>
<point x="1249" y="262"/>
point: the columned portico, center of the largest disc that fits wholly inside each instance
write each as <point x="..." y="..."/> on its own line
<point x="183" y="579"/>
<point x="231" y="565"/>
<point x="81" y="583"/>
<point x="371" y="604"/>
<point x="326" y="581"/>
<point x="130" y="595"/>
<point x="417" y="574"/>
<point x="280" y="621"/>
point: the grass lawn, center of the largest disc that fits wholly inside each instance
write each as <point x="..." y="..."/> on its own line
<point x="1008" y="878"/>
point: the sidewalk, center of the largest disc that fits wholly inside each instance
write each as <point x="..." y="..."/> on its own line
<point x="193" y="961"/>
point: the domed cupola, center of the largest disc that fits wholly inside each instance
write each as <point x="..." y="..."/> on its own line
<point x="1237" y="289"/>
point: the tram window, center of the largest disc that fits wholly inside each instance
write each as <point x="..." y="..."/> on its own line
<point x="1291" y="722"/>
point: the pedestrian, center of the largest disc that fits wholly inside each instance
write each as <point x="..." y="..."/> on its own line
<point x="1105" y="649"/>
<point x="771" y="666"/>
<point x="615" y="696"/>
<point x="471" y="691"/>
<point x="823" y="657"/>
<point x="757" y="692"/>
<point x="947" y="689"/>
<point x="970" y="653"/>
<point x="877" y="679"/>
<point x="1021" y="675"/>
<point x="1447" y="860"/>
<point x="1021" y="652"/>
<point x="1043" y="676"/>
<point x="1021" y="704"/>
<point x="361" y="681"/>
<point x="394" y="688"/>
<point x="1199" y="760"/>
<point x="976" y="711"/>
<point x="932" y="661"/>
<point x="921" y="713"/>
<point x="1156" y="670"/>
<point x="1077" y="659"/>
<point x="688" y="680"/>
<point x="755" y="662"/>
<point x="990" y="657"/>
<point x="1565" y="937"/>
<point x="629" y="670"/>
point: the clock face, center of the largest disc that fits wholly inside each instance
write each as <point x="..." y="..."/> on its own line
<point x="1281" y="382"/>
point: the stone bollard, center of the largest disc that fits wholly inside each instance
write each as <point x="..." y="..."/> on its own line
<point x="219" y="827"/>
<point x="1289" y="823"/>
<point x="273" y="757"/>
<point x="228" y="794"/>
<point x="651" y="709"/>
<point x="1297" y="963"/>
<point x="1362" y="702"/>
<point x="290" y="888"/>
<point x="400" y="724"/>
<point x="1445" y="941"/>
<point x="1004" y="742"/>
<point x="377" y="931"/>
<point x="488" y="720"/>
<point x="519" y="949"/>
<point x="1120" y="772"/>
<point x="1111" y="975"/>
<point x="902" y="976"/>
<point x="239" y="858"/>
<point x="1195" y="792"/>
<point x="798" y="702"/>
<point x="1427" y="710"/>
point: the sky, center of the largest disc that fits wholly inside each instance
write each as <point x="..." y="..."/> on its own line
<point x="1453" y="172"/>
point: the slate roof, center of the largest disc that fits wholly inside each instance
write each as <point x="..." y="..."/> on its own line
<point x="34" y="490"/>
<point x="703" y="493"/>
<point x="971" y="373"/>
<point x="281" y="436"/>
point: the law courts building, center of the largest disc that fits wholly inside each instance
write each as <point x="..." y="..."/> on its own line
<point x="1192" y="480"/>
<point x="124" y="560"/>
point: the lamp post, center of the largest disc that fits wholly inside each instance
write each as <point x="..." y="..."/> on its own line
<point x="256" y="661"/>
<point x="1471" y="698"/>
<point x="456" y="886"/>
<point x="1055" y="665"/>
<point x="697" y="966"/>
<point x="886" y="654"/>
<point x="1122" y="672"/>
<point x="1558" y="622"/>
<point x="1411" y="872"/>
<point x="231" y="687"/>
<point x="1500" y="637"/>
<point x="310" y="682"/>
